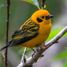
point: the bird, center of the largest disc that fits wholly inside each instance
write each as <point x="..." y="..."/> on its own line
<point x="33" y="32"/>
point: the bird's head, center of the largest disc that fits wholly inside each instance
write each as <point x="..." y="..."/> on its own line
<point x="41" y="16"/>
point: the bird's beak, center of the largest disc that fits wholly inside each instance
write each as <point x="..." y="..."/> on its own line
<point x="51" y="16"/>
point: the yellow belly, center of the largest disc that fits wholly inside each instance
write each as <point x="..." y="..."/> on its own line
<point x="35" y="41"/>
<point x="40" y="38"/>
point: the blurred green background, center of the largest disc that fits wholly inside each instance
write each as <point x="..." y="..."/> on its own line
<point x="20" y="11"/>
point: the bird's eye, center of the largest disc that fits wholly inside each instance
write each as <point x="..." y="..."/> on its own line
<point x="42" y="17"/>
<point x="39" y="20"/>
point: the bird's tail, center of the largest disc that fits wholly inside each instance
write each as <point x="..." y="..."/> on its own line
<point x="6" y="46"/>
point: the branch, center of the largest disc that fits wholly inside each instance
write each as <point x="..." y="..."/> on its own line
<point x="7" y="31"/>
<point x="31" y="60"/>
<point x="42" y="3"/>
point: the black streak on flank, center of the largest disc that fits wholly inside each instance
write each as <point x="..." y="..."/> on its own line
<point x="25" y="39"/>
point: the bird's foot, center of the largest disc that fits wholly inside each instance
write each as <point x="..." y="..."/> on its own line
<point x="37" y="50"/>
<point x="34" y="52"/>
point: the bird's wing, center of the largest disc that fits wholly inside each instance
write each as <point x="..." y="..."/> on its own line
<point x="26" y="32"/>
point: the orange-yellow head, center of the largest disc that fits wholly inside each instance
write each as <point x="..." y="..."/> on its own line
<point x="41" y="16"/>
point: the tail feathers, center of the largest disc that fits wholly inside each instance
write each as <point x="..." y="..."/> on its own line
<point x="6" y="46"/>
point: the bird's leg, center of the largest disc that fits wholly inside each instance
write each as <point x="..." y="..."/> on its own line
<point x="38" y="49"/>
<point x="42" y="46"/>
<point x="34" y="51"/>
<point x="23" y="57"/>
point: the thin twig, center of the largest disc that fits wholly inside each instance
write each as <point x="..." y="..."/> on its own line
<point x="7" y="32"/>
<point x="31" y="60"/>
<point x="42" y="3"/>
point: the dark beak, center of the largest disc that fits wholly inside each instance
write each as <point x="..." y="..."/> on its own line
<point x="49" y="16"/>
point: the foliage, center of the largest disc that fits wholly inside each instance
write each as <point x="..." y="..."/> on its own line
<point x="54" y="32"/>
<point x="61" y="55"/>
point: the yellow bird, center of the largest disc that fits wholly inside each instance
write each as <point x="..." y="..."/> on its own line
<point x="34" y="31"/>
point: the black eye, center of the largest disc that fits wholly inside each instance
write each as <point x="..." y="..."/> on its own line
<point x="43" y="17"/>
<point x="39" y="20"/>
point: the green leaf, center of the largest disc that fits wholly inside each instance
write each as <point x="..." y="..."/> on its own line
<point x="65" y="64"/>
<point x="30" y="1"/>
<point x="36" y="3"/>
<point x="61" y="55"/>
<point x="54" y="32"/>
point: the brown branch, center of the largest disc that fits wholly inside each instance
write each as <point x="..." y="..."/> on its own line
<point x="31" y="60"/>
<point x="7" y="31"/>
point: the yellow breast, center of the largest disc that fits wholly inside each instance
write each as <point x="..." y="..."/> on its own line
<point x="44" y="31"/>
